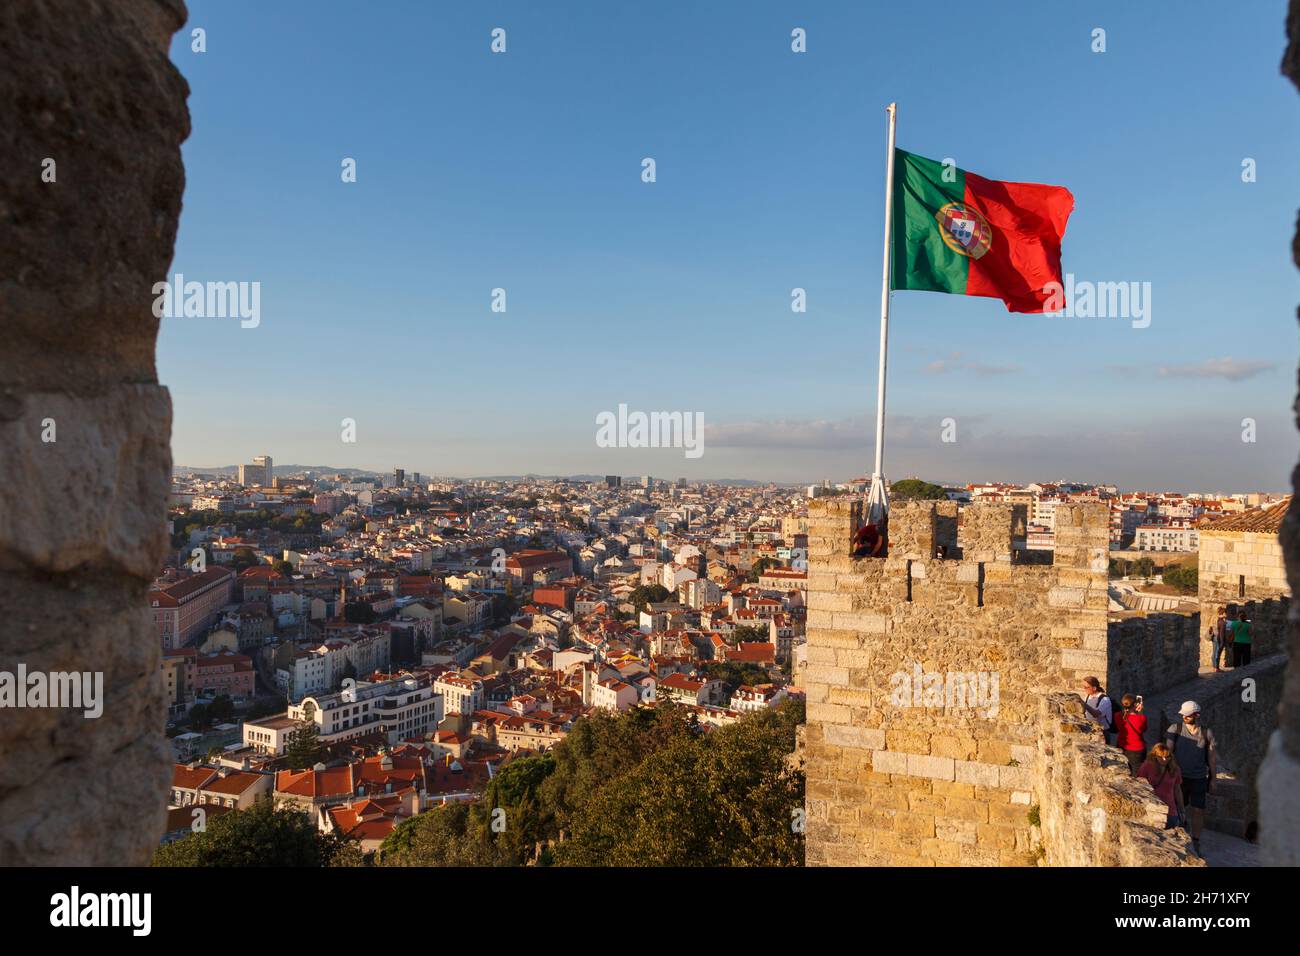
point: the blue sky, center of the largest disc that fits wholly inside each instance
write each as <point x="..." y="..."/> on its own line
<point x="522" y="171"/>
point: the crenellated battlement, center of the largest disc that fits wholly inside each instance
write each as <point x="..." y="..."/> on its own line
<point x="926" y="673"/>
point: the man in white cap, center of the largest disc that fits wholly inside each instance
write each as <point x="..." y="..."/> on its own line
<point x="1194" y="750"/>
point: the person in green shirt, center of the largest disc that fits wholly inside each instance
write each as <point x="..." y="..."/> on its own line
<point x="1241" y="642"/>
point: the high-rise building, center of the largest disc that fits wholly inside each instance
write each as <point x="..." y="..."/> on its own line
<point x="613" y="481"/>
<point x="399" y="477"/>
<point x="647" y="481"/>
<point x="415" y="479"/>
<point x="263" y="462"/>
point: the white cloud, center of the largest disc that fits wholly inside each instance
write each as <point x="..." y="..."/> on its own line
<point x="955" y="363"/>
<point x="1234" y="370"/>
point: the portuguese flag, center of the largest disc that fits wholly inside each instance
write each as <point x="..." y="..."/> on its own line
<point x="964" y="234"/>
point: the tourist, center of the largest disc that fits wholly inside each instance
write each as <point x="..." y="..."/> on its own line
<point x="1161" y="771"/>
<point x="1193" y="746"/>
<point x="1219" y="635"/>
<point x="1241" y="641"/>
<point x="1130" y="728"/>
<point x="1098" y="706"/>
<point x="867" y="542"/>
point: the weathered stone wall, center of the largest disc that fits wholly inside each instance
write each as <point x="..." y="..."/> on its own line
<point x="896" y="775"/>
<point x="1225" y="558"/>
<point x="1279" y="777"/>
<point x="87" y="84"/>
<point x="1268" y="624"/>
<point x="1092" y="813"/>
<point x="988" y="532"/>
<point x="901" y="770"/>
<point x="1148" y="654"/>
<point x="1243" y="719"/>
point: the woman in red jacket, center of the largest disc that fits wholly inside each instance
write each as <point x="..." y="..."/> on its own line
<point x="1130" y="727"/>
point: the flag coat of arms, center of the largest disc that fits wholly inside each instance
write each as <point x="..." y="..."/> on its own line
<point x="957" y="232"/>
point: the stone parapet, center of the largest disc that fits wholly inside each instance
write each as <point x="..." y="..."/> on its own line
<point x="85" y="427"/>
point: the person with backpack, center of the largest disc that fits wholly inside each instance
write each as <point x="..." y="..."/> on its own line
<point x="1241" y="641"/>
<point x="1098" y="706"/>
<point x="1194" y="748"/>
<point x="1160" y="770"/>
<point x="1130" y="728"/>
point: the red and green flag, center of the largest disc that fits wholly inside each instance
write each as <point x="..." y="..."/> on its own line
<point x="958" y="232"/>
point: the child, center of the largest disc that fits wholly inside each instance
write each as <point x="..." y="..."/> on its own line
<point x="1161" y="771"/>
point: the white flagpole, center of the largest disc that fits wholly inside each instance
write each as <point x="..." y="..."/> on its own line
<point x="878" y="498"/>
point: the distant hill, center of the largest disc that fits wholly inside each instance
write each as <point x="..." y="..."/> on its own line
<point x="362" y="472"/>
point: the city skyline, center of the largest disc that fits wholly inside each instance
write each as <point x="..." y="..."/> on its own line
<point x="318" y="471"/>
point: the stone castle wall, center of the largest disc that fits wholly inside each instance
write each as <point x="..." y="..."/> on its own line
<point x="1279" y="776"/>
<point x="84" y="425"/>
<point x="907" y="761"/>
<point x="905" y="765"/>
<point x="1146" y="655"/>
<point x="1091" y="812"/>
<point x="1237" y="568"/>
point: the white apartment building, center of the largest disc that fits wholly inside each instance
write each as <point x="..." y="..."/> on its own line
<point x="613" y="694"/>
<point x="406" y="706"/>
<point x="461" y="694"/>
<point x="1166" y="538"/>
<point x="700" y="592"/>
<point x="320" y="668"/>
<point x="1043" y="513"/>
<point x="748" y="699"/>
<point x="673" y="576"/>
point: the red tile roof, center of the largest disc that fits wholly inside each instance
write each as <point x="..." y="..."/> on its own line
<point x="1267" y="520"/>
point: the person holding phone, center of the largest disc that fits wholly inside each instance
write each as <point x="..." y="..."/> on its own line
<point x="1130" y="730"/>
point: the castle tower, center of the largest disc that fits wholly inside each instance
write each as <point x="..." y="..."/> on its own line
<point x="926" y="677"/>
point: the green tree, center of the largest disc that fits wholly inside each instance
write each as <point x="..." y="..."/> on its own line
<point x="758" y="567"/>
<point x="648" y="594"/>
<point x="1183" y="577"/>
<point x="916" y="489"/>
<point x="258" y="836"/>
<point x="726" y="798"/>
<point x="513" y="815"/>
<point x="264" y="707"/>
<point x="602" y="748"/>
<point x="349" y="672"/>
<point x="734" y="673"/>
<point x="222" y="709"/>
<point x="303" y="749"/>
<point x="243" y="559"/>
<point x="443" y="836"/>
<point x="750" y="633"/>
<point x="359" y="612"/>
<point x="283" y="567"/>
<point x="200" y="716"/>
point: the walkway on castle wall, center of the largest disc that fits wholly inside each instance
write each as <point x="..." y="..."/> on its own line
<point x="1162" y="709"/>
<point x="1218" y="849"/>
